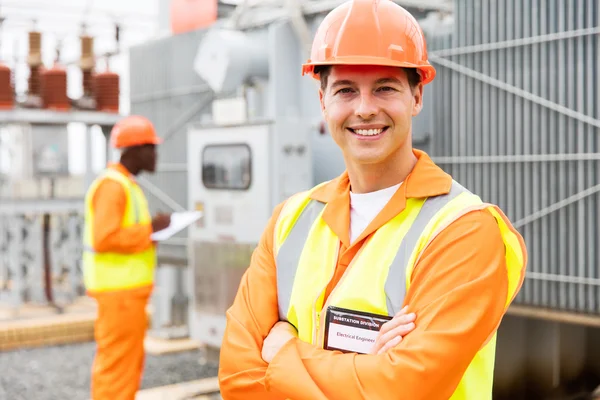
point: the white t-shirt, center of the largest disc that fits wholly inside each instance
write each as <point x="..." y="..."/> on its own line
<point x="364" y="207"/>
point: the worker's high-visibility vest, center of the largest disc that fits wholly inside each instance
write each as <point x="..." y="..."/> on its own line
<point x="106" y="271"/>
<point x="306" y="252"/>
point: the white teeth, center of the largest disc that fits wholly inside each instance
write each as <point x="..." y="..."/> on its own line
<point x="368" y="132"/>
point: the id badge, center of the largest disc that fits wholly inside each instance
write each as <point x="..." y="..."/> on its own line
<point x="351" y="331"/>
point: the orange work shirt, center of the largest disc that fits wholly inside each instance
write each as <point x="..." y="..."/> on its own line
<point x="458" y="292"/>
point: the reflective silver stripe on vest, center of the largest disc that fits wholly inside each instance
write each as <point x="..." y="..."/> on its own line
<point x="289" y="254"/>
<point x="395" y="284"/>
<point x="395" y="287"/>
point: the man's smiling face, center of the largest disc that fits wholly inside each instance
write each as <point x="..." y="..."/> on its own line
<point x="369" y="110"/>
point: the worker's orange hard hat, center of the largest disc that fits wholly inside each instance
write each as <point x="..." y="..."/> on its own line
<point x="134" y="130"/>
<point x="370" y="32"/>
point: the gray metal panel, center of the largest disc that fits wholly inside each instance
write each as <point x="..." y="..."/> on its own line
<point x="166" y="89"/>
<point x="515" y="122"/>
<point x="537" y="160"/>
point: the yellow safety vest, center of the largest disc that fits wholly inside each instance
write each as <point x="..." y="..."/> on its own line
<point x="108" y="271"/>
<point x="306" y="253"/>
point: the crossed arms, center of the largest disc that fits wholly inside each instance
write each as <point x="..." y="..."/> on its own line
<point x="458" y="292"/>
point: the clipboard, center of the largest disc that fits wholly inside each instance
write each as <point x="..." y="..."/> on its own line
<point x="179" y="221"/>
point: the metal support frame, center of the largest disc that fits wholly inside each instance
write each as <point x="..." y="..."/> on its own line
<point x="437" y="57"/>
<point x="161" y="195"/>
<point x="537" y="100"/>
<point x="492" y="159"/>
<point x="177" y="125"/>
<point x="187" y="116"/>
<point x="300" y="26"/>
<point x="507" y="44"/>
<point x="22" y="256"/>
<point x="37" y="206"/>
<point x="515" y="90"/>
<point x="557" y="206"/>
<point x="562" y="278"/>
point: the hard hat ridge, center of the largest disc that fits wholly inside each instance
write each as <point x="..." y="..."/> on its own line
<point x="134" y="130"/>
<point x="370" y="32"/>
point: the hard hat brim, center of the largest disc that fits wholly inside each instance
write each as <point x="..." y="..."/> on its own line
<point x="427" y="71"/>
<point x="155" y="141"/>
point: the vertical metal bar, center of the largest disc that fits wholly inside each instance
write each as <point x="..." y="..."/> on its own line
<point x="562" y="177"/>
<point x="450" y="96"/>
<point x="35" y="280"/>
<point x="590" y="210"/>
<point x="579" y="257"/>
<point x="443" y="124"/>
<point x="568" y="142"/>
<point x="494" y="103"/>
<point x="463" y="105"/>
<point x="18" y="287"/>
<point x="4" y="226"/>
<point x="441" y="129"/>
<point x="502" y="106"/>
<point x="448" y="128"/>
<point x="509" y="133"/>
<point x="556" y="234"/>
<point x="75" y="277"/>
<point x="438" y="98"/>
<point x="596" y="68"/>
<point x="456" y="105"/>
<point x="542" y="140"/>
<point x="517" y="132"/>
<point x="474" y="95"/>
<point x="485" y="126"/>
<point x="438" y="110"/>
<point x="537" y="138"/>
<point x="527" y="195"/>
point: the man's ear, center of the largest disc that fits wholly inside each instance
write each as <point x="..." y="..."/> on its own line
<point x="322" y="101"/>
<point x="321" y="94"/>
<point x="417" y="99"/>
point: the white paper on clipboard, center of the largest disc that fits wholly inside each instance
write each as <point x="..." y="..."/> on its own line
<point x="179" y="221"/>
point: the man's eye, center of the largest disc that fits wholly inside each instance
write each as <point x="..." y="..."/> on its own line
<point x="345" y="91"/>
<point x="386" y="89"/>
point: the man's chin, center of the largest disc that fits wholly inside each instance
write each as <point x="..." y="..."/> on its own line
<point x="367" y="159"/>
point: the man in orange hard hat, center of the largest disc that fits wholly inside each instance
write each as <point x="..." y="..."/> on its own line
<point x="390" y="281"/>
<point x="119" y="260"/>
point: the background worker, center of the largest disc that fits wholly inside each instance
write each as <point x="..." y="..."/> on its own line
<point x="119" y="260"/>
<point x="393" y="231"/>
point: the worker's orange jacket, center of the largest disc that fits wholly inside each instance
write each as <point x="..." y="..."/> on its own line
<point x="456" y="312"/>
<point x="109" y="203"/>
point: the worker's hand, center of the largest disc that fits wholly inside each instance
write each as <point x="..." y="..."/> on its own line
<point x="279" y="335"/>
<point x="160" y="222"/>
<point x="392" y="332"/>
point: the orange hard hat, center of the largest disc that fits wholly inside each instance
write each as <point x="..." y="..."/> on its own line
<point x="134" y="130"/>
<point x="370" y="32"/>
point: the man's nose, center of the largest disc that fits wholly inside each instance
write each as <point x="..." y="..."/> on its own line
<point x="367" y="106"/>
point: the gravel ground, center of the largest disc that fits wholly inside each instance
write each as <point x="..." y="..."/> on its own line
<point x="63" y="372"/>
